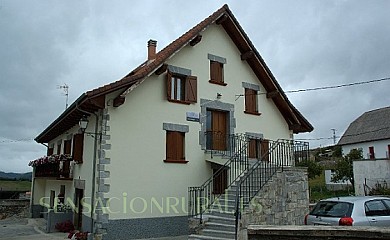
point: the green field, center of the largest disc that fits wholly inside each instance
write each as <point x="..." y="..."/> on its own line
<point x="6" y="185"/>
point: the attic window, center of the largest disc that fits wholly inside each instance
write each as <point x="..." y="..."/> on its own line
<point x="251" y="98"/>
<point x="216" y="69"/>
<point x="181" y="86"/>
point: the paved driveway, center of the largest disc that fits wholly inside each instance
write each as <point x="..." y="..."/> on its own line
<point x="24" y="228"/>
<point x="32" y="229"/>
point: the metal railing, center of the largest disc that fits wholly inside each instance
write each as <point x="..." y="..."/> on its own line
<point x="281" y="153"/>
<point x="233" y="147"/>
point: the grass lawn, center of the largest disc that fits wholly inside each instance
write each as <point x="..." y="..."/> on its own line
<point x="6" y="185"/>
<point x="318" y="189"/>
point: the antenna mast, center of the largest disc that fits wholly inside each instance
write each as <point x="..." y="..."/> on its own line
<point x="65" y="87"/>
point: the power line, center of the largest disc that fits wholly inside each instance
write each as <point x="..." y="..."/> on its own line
<point x="16" y="140"/>
<point x="345" y="135"/>
<point x="326" y="87"/>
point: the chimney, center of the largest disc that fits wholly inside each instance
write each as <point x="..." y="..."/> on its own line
<point x="152" y="44"/>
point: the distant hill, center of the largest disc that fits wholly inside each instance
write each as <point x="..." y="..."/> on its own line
<point x="17" y="176"/>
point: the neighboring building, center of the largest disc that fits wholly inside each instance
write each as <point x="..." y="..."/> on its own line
<point x="149" y="134"/>
<point x="371" y="133"/>
<point x="334" y="186"/>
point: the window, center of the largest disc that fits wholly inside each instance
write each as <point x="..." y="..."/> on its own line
<point x="371" y="152"/>
<point x="388" y="151"/>
<point x="78" y="146"/>
<point x="50" y="151"/>
<point x="175" y="147"/>
<point x="59" y="148"/>
<point x="67" y="146"/>
<point x="251" y="101"/>
<point x="254" y="148"/>
<point x="376" y="208"/>
<point x="181" y="88"/>
<point x="216" y="73"/>
<point x="61" y="195"/>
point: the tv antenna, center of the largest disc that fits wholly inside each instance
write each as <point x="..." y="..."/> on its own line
<point x="65" y="87"/>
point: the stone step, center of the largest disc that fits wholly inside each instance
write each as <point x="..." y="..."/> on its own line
<point x="218" y="233"/>
<point x="199" y="237"/>
<point x="227" y="219"/>
<point x="221" y="226"/>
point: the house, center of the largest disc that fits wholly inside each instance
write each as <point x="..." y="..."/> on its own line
<point x="135" y="146"/>
<point x="370" y="133"/>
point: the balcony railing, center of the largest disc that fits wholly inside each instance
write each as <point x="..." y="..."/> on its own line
<point x="54" y="166"/>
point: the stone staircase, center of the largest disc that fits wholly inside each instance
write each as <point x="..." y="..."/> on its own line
<point x="219" y="220"/>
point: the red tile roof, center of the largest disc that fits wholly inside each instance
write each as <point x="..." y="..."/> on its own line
<point x="87" y="102"/>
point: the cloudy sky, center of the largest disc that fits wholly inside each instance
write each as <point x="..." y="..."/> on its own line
<point x="313" y="43"/>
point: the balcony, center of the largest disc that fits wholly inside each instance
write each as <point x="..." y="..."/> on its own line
<point x="54" y="166"/>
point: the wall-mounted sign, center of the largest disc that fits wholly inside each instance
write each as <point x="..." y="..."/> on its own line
<point x="192" y="116"/>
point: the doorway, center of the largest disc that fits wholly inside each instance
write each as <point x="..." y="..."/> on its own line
<point x="217" y="130"/>
<point x="78" y="215"/>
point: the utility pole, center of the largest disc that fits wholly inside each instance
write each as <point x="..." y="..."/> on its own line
<point x="334" y="136"/>
<point x="65" y="87"/>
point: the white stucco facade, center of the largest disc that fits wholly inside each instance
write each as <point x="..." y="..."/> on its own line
<point x="381" y="148"/>
<point x="140" y="178"/>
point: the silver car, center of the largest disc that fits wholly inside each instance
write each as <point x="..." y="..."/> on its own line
<point x="351" y="211"/>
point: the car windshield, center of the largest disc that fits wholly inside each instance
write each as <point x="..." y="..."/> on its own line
<point x="332" y="209"/>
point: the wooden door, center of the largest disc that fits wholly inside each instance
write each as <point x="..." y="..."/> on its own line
<point x="220" y="181"/>
<point x="217" y="133"/>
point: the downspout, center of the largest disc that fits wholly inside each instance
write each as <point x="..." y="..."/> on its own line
<point x="94" y="167"/>
<point x="33" y="187"/>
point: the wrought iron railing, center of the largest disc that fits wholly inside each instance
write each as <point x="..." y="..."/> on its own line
<point x="62" y="169"/>
<point x="281" y="153"/>
<point x="234" y="148"/>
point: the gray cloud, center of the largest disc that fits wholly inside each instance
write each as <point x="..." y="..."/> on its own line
<point x="86" y="44"/>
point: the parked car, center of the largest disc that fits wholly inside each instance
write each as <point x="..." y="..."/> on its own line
<point x="351" y="211"/>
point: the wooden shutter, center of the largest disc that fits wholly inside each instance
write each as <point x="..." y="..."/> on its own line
<point x="59" y="149"/>
<point x="175" y="146"/>
<point x="191" y="89"/>
<point x="264" y="149"/>
<point x="169" y="90"/>
<point x="78" y="147"/>
<point x="250" y="100"/>
<point x="67" y="146"/>
<point x="214" y="71"/>
<point x="372" y="152"/>
<point x="252" y="148"/>
<point x="50" y="151"/>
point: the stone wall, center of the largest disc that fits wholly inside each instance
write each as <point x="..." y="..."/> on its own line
<point x="283" y="201"/>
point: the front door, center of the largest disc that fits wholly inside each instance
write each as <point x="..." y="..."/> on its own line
<point x="78" y="215"/>
<point x="217" y="133"/>
<point x="220" y="181"/>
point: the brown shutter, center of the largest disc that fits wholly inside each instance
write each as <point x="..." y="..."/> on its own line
<point x="214" y="66"/>
<point x="175" y="146"/>
<point x="169" y="90"/>
<point x="67" y="146"/>
<point x="264" y="149"/>
<point x="78" y="147"/>
<point x="252" y="148"/>
<point x="250" y="100"/>
<point x="50" y="151"/>
<point x="191" y="89"/>
<point x="59" y="149"/>
<point x="170" y="145"/>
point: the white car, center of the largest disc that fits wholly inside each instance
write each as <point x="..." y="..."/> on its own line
<point x="351" y="211"/>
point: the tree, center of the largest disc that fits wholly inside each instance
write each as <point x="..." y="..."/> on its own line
<point x="344" y="166"/>
<point x="313" y="168"/>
